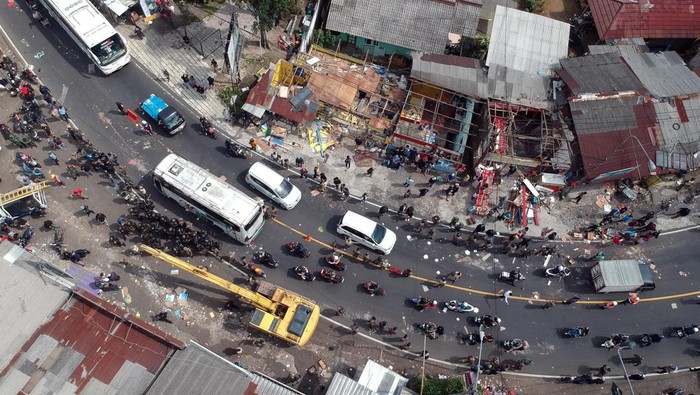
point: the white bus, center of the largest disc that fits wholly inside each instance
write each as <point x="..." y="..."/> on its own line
<point x="209" y="198"/>
<point x="91" y="31"/>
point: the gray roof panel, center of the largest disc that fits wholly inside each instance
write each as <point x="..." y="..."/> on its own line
<point x="527" y="42"/>
<point x="601" y="116"/>
<point x="594" y="74"/>
<point x="28" y="300"/>
<point x="421" y="25"/>
<point x="184" y="374"/>
<point x="664" y="74"/>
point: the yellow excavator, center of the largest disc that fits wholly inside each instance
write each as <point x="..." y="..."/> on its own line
<point x="279" y="312"/>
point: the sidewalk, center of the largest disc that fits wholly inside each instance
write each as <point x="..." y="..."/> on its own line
<point x="144" y="293"/>
<point x="163" y="48"/>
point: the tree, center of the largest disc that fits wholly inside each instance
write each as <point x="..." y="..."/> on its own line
<point x="268" y="13"/>
<point x="325" y="38"/>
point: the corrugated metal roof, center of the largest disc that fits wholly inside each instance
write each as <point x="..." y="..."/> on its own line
<point x="624" y="49"/>
<point x="421" y="25"/>
<point x="598" y="74"/>
<point x="263" y="97"/>
<point x="679" y="125"/>
<point x="28" y="300"/>
<point x="664" y="74"/>
<point x="381" y="380"/>
<point x="268" y="386"/>
<point x="196" y="370"/>
<point x="464" y="75"/>
<point x="646" y="18"/>
<point x="89" y="345"/>
<point x="628" y="122"/>
<point x="520" y="88"/>
<point x="604" y="115"/>
<point x="344" y="385"/>
<point x="527" y="42"/>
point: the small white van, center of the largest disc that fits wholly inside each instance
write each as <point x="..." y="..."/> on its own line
<point x="367" y="232"/>
<point x="273" y="185"/>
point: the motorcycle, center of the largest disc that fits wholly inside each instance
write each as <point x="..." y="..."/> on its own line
<point x="256" y="270"/>
<point x="106" y="286"/>
<point x="303" y="273"/>
<point x="511" y="276"/>
<point x="577" y="332"/>
<point x="298" y="249"/>
<point x="515" y="345"/>
<point x="53" y="157"/>
<point x="333" y="260"/>
<point x="557" y="271"/>
<point x="431" y="329"/>
<point x="374" y="289"/>
<point x="207" y="128"/>
<point x="28" y="160"/>
<point x="681" y="332"/>
<point x="331" y="276"/>
<point x="29" y="74"/>
<point x="265" y="258"/>
<point x="236" y="150"/>
<point x="108" y="277"/>
<point x="615" y="340"/>
<point x="648" y="339"/>
<point x="26" y="236"/>
<point x="487" y="320"/>
<point x="461" y="306"/>
<point x="423" y="303"/>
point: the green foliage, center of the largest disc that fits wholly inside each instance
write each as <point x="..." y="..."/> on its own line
<point x="269" y="12"/>
<point x="325" y="38"/>
<point x="434" y="386"/>
<point x="476" y="47"/>
<point x="529" y="5"/>
<point x="534" y="6"/>
<point x="230" y="91"/>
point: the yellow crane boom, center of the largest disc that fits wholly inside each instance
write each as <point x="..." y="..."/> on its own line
<point x="278" y="312"/>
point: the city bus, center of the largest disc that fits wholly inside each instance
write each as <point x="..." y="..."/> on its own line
<point x="91" y="31"/>
<point x="209" y="198"/>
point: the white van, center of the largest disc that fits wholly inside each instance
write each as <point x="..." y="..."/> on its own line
<point x="367" y="232"/>
<point x="273" y="185"/>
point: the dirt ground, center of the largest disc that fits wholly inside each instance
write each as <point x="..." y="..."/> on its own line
<point x="561" y="10"/>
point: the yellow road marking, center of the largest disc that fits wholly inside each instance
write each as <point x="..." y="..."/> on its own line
<point x="480" y="292"/>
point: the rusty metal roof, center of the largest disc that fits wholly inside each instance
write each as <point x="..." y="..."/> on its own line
<point x="89" y="347"/>
<point x="646" y="18"/>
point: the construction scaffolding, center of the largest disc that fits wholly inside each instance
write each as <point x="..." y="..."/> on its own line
<point x="523" y="136"/>
<point x="437" y="117"/>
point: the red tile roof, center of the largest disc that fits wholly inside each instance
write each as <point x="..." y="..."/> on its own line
<point x="646" y="18"/>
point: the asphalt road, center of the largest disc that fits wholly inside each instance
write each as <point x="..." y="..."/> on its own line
<point x="90" y="101"/>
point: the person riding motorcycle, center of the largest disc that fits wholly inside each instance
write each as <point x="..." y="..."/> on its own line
<point x="491" y="320"/>
<point x="302" y="271"/>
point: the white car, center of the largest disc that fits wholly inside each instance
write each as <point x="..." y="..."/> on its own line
<point x="273" y="185"/>
<point x="367" y="232"/>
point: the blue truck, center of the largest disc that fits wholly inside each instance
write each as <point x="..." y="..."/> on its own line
<point x="164" y="115"/>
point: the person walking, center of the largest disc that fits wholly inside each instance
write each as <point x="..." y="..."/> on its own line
<point x="422" y="192"/>
<point x="682" y="212"/>
<point x="166" y="75"/>
<point x="382" y="210"/>
<point x="432" y="181"/>
<point x="354" y="329"/>
<point x="407" y="194"/>
<point x="210" y="81"/>
<point x="85" y="209"/>
<point x="409" y="213"/>
<point x="121" y="108"/>
<point x="408" y="181"/>
<point x="431" y="234"/>
<point x="214" y="65"/>
<point x="506" y="295"/>
<point x="580" y="196"/>
<point x="402" y="209"/>
<point x="479" y="228"/>
<point x="348" y="161"/>
<point x="441" y="283"/>
<point x="370" y="171"/>
<point x="317" y="172"/>
<point x="571" y="300"/>
<point x="454" y="276"/>
<point x="303" y="172"/>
